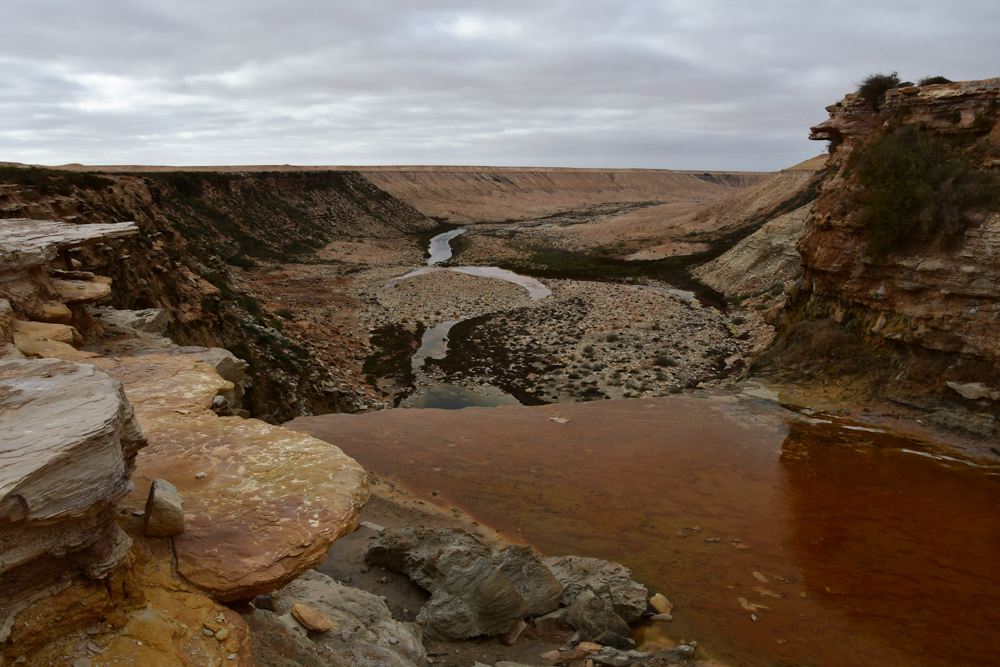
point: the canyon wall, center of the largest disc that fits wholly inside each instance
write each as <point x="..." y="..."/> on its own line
<point x="933" y="300"/>
<point x="197" y="231"/>
<point x="469" y="194"/>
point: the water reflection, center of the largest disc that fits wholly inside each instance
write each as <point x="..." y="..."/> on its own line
<point x="847" y="549"/>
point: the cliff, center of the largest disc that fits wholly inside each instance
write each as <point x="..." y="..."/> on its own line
<point x="470" y="194"/>
<point x="197" y="231"/>
<point x="915" y="274"/>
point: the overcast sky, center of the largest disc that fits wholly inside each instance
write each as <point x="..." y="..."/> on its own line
<point x="677" y="84"/>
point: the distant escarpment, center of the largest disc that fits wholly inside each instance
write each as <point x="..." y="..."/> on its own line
<point x="198" y="231"/>
<point x="900" y="249"/>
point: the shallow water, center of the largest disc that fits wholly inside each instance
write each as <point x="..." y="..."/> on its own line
<point x="434" y="345"/>
<point x="440" y="247"/>
<point x="873" y="552"/>
<point x="536" y="290"/>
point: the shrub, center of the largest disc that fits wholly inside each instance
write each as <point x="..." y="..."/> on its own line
<point x="664" y="361"/>
<point x="932" y="80"/>
<point x="285" y="313"/>
<point x="918" y="191"/>
<point x="611" y="338"/>
<point x="874" y="86"/>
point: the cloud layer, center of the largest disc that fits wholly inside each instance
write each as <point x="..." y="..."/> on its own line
<point x="707" y="84"/>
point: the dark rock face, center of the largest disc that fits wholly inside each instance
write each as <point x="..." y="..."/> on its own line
<point x="475" y="590"/>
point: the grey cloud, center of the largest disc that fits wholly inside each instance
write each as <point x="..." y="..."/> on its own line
<point x="707" y="84"/>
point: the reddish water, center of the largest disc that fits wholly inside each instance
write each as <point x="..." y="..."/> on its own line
<point x="872" y="555"/>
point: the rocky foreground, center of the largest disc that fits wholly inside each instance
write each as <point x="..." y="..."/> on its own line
<point x="142" y="512"/>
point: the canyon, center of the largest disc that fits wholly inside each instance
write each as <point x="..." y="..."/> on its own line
<point x="676" y="373"/>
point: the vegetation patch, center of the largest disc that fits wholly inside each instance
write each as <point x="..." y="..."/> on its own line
<point x="48" y="181"/>
<point x="918" y="191"/>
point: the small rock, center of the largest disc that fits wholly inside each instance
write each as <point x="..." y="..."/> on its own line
<point x="200" y="475"/>
<point x="312" y="619"/>
<point x="661" y="604"/>
<point x="222" y="634"/>
<point x="265" y="601"/>
<point x="365" y="569"/>
<point x="666" y="618"/>
<point x="345" y="635"/>
<point x="614" y="640"/>
<point x="347" y="579"/>
<point x="164" y="511"/>
<point x="511" y="637"/>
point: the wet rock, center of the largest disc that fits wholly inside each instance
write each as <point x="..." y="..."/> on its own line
<point x="373" y="636"/>
<point x="164" y="511"/>
<point x="595" y="616"/>
<point x="265" y="601"/>
<point x="610" y="581"/>
<point x="661" y="604"/>
<point x="682" y="652"/>
<point x="475" y="590"/>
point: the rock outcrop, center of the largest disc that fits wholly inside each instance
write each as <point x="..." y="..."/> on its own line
<point x="67" y="447"/>
<point x="475" y="590"/>
<point x="939" y="303"/>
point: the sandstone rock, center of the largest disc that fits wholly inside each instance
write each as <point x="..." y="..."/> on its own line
<point x="314" y="620"/>
<point x="272" y="501"/>
<point x="54" y="312"/>
<point x="474" y="590"/>
<point x="661" y="604"/>
<point x="608" y="580"/>
<point x="970" y="390"/>
<point x="81" y="291"/>
<point x="26" y="244"/>
<point x="164" y="514"/>
<point x="150" y="320"/>
<point x="595" y="616"/>
<point x="59" y="333"/>
<point x="142" y="615"/>
<point x="67" y="445"/>
<point x="375" y="638"/>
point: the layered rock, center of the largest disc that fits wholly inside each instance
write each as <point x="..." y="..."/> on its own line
<point x="27" y="244"/>
<point x="475" y="590"/>
<point x="940" y="303"/>
<point x="262" y="504"/>
<point x="765" y="259"/>
<point x="67" y="447"/>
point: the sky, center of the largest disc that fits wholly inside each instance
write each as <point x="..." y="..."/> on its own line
<point x="671" y="84"/>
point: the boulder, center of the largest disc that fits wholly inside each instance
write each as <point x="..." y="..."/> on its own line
<point x="68" y="441"/>
<point x="59" y="333"/>
<point x="475" y="590"/>
<point x="609" y="581"/>
<point x="54" y="312"/>
<point x="81" y="291"/>
<point x="595" y="616"/>
<point x="363" y="632"/>
<point x="661" y="604"/>
<point x="268" y="503"/>
<point x="275" y="645"/>
<point x="164" y="515"/>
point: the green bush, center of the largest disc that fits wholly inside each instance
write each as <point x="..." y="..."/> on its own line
<point x="663" y="361"/>
<point x="917" y="190"/>
<point x="874" y="86"/>
<point x="932" y="80"/>
<point x="285" y="313"/>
